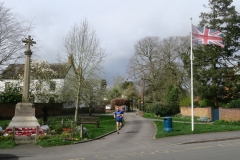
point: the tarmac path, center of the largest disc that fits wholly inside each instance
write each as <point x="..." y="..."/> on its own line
<point x="135" y="141"/>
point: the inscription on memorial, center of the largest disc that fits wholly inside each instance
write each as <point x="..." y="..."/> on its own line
<point x="24" y="110"/>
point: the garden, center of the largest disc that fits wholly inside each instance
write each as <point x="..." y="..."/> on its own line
<point x="63" y="131"/>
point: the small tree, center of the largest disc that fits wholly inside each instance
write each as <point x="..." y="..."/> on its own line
<point x="173" y="99"/>
<point x="83" y="46"/>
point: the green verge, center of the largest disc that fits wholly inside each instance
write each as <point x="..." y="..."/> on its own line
<point x="177" y="117"/>
<point x="186" y="128"/>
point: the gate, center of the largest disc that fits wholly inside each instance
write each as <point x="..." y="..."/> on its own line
<point x="215" y="114"/>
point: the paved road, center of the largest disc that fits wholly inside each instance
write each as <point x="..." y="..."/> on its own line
<point x="135" y="141"/>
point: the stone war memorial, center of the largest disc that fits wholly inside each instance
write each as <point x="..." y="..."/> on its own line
<point x="24" y="125"/>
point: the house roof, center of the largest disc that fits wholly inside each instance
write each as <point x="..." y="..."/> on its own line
<point x="13" y="70"/>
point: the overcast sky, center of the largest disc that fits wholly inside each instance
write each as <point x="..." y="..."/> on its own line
<point x="119" y="24"/>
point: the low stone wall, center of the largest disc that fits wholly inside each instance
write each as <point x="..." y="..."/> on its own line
<point x="229" y="114"/>
<point x="53" y="108"/>
<point x="140" y="113"/>
<point x="7" y="110"/>
<point x="99" y="109"/>
<point x="198" y="112"/>
<point x="109" y="111"/>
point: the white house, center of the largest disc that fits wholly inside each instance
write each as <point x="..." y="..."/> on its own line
<point x="52" y="90"/>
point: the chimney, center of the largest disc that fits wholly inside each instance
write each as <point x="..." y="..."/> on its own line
<point x="70" y="59"/>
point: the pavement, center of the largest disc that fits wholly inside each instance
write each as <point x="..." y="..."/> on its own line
<point x="175" y="140"/>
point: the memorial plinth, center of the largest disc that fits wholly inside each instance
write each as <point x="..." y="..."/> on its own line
<point x="24" y="119"/>
<point x="24" y="116"/>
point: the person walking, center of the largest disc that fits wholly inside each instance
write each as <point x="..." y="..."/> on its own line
<point x="118" y="114"/>
<point x="45" y="114"/>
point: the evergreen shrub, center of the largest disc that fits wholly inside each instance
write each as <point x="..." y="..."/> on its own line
<point x="234" y="104"/>
<point x="159" y="109"/>
<point x="206" y="103"/>
<point x="185" y="102"/>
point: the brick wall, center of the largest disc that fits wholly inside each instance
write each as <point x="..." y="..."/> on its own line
<point x="198" y="112"/>
<point x="99" y="109"/>
<point x="7" y="110"/>
<point x="228" y="114"/>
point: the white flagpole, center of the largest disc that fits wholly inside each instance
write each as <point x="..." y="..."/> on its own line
<point x="191" y="58"/>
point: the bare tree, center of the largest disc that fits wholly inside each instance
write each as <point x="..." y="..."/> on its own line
<point x="160" y="62"/>
<point x="172" y="71"/>
<point x="87" y="56"/>
<point x="145" y="61"/>
<point x="12" y="31"/>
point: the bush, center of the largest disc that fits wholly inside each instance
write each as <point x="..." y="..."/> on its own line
<point x="204" y="119"/>
<point x="119" y="102"/>
<point x="57" y="128"/>
<point x="234" y="104"/>
<point x="185" y="102"/>
<point x="8" y="137"/>
<point x="12" y="94"/>
<point x="223" y="105"/>
<point x="206" y="103"/>
<point x="158" y="109"/>
<point x="173" y="109"/>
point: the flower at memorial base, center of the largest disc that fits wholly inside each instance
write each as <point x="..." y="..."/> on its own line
<point x="18" y="129"/>
<point x="8" y="129"/>
<point x="66" y="129"/>
<point x="65" y="134"/>
<point x="22" y="131"/>
<point x="28" y="134"/>
<point x="18" y="134"/>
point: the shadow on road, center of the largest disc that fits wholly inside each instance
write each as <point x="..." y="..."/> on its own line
<point x="8" y="157"/>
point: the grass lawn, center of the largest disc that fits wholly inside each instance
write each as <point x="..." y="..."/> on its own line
<point x="186" y="128"/>
<point x="181" y="128"/>
<point x="177" y="117"/>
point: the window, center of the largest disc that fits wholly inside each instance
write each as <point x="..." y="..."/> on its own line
<point x="7" y="86"/>
<point x="52" y="86"/>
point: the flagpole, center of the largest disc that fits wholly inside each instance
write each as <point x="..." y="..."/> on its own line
<point x="191" y="58"/>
